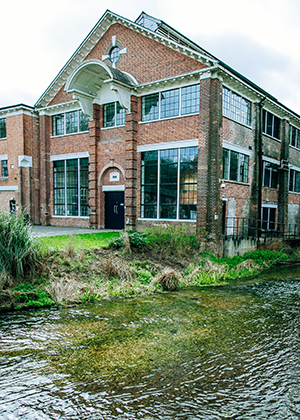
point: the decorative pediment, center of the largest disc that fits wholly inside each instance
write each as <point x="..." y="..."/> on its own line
<point x="95" y="82"/>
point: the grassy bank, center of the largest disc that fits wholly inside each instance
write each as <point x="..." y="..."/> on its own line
<point x="91" y="267"/>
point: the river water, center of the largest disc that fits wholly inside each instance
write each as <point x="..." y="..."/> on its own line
<point x="229" y="352"/>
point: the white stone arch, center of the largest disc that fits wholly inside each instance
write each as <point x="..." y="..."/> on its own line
<point x="110" y="165"/>
<point x="93" y="82"/>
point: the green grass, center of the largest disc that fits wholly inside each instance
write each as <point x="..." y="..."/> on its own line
<point x="81" y="241"/>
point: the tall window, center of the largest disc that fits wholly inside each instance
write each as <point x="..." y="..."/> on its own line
<point x="271" y="124"/>
<point x="236" y="107"/>
<point x="235" y="166"/>
<point x="71" y="187"/>
<point x="4" y="168"/>
<point x="270" y="175"/>
<point x="169" y="184"/>
<point x="171" y="103"/>
<point x="2" y="128"/>
<point x="295" y="137"/>
<point x="294" y="178"/>
<point x="69" y="123"/>
<point x="268" y="214"/>
<point x="114" y="114"/>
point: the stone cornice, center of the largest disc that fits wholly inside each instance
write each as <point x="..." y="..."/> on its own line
<point x="17" y="110"/>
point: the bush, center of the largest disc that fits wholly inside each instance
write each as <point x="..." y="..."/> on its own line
<point x="18" y="247"/>
<point x="136" y="239"/>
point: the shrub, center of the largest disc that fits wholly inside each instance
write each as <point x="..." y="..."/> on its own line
<point x="136" y="239"/>
<point x="18" y="247"/>
<point x="169" y="279"/>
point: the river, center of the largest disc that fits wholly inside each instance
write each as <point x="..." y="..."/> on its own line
<point x="227" y="352"/>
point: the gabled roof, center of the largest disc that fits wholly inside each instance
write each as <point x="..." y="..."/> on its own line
<point x="146" y="25"/>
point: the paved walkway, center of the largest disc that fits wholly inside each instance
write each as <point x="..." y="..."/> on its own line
<point x="40" y="231"/>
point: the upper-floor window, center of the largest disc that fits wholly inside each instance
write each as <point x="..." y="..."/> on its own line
<point x="295" y="137"/>
<point x="235" y="166"/>
<point x="236" y="107"/>
<point x="4" y="168"/>
<point x="270" y="175"/>
<point x="2" y="128"/>
<point x="294" y="178"/>
<point x="171" y="103"/>
<point x="271" y="124"/>
<point x="114" y="114"/>
<point x="69" y="123"/>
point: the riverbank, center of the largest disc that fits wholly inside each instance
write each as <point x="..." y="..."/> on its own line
<point x="72" y="276"/>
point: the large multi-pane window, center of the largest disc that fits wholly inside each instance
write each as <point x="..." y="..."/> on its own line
<point x="169" y="184"/>
<point x="71" y="187"/>
<point x="271" y="124"/>
<point x="294" y="178"/>
<point x="114" y="114"/>
<point x="2" y="128"/>
<point x="235" y="166"/>
<point x="295" y="137"/>
<point x="4" y="168"/>
<point x="270" y="175"/>
<point x="69" y="123"/>
<point x="236" y="107"/>
<point x="171" y="103"/>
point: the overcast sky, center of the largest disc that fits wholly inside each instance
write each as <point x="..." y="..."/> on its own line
<point x="258" y="38"/>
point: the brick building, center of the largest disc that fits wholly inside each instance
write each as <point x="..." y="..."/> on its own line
<point x="142" y="125"/>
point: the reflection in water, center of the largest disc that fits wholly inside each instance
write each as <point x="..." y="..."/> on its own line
<point x="213" y="353"/>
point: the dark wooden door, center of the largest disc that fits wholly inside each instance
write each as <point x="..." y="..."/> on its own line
<point x="114" y="210"/>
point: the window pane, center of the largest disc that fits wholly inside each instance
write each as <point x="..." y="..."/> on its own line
<point x="243" y="168"/>
<point x="2" y="128"/>
<point x="72" y="187"/>
<point x="149" y="172"/>
<point x="276" y="132"/>
<point x="168" y="183"/>
<point x="190" y="99"/>
<point x="267" y="175"/>
<point x="296" y="187"/>
<point x="291" y="180"/>
<point x="272" y="215"/>
<point x="170" y="103"/>
<point x="109" y="115"/>
<point x="58" y="125"/>
<point x="236" y="107"/>
<point x="84" y="186"/>
<point x="274" y="177"/>
<point x="234" y="162"/>
<point x="4" y="168"/>
<point x="150" y="107"/>
<point x="120" y="115"/>
<point x="225" y="164"/>
<point x="269" y="124"/>
<point x="83" y="122"/>
<point x="59" y="187"/>
<point x="188" y="183"/>
<point x="71" y="122"/>
<point x="293" y="136"/>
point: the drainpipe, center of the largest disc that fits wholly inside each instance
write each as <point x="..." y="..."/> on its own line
<point x="260" y="162"/>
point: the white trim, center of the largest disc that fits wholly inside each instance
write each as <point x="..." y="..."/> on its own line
<point x="168" y="145"/>
<point x="271" y="160"/>
<point x="25" y="161"/>
<point x="167" y="220"/>
<point x="3" y="157"/>
<point x="69" y="156"/>
<point x="107" y="188"/>
<point x="271" y="206"/>
<point x="9" y="188"/>
<point x="236" y="148"/>
<point x="59" y="108"/>
<point x="295" y="168"/>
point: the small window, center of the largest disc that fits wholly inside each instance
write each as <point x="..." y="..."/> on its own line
<point x="114" y="115"/>
<point x="295" y="137"/>
<point x="235" y="166"/>
<point x="270" y="175"/>
<point x="114" y="54"/>
<point x="294" y="185"/>
<point x="190" y="99"/>
<point x="268" y="218"/>
<point x="150" y="107"/>
<point x="271" y="124"/>
<point x="4" y="168"/>
<point x="170" y="103"/>
<point x="2" y="128"/>
<point x="236" y="107"/>
<point x="69" y="123"/>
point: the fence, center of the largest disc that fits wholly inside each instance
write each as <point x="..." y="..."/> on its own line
<point x="241" y="227"/>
